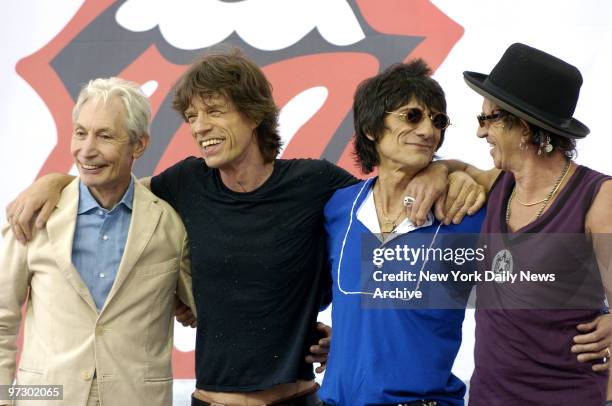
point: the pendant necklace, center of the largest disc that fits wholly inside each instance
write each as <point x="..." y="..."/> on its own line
<point x="387" y="225"/>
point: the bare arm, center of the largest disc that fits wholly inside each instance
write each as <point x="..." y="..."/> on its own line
<point x="42" y="197"/>
<point x="456" y="189"/>
<point x="595" y="343"/>
<point x="599" y="226"/>
<point x="484" y="177"/>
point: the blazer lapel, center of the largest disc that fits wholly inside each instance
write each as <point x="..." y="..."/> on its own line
<point x="145" y="216"/>
<point x="60" y="228"/>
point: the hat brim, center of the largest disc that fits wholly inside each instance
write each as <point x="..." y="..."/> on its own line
<point x="574" y="128"/>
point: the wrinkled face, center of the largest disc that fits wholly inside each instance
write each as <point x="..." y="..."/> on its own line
<point x="101" y="146"/>
<point x="224" y="136"/>
<point x="405" y="145"/>
<point x="504" y="142"/>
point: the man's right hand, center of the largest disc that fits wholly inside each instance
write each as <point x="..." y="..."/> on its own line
<point x="42" y="196"/>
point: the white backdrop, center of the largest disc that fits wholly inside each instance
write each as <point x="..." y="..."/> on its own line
<point x="578" y="31"/>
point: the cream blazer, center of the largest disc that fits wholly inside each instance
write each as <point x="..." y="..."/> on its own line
<point x="129" y="342"/>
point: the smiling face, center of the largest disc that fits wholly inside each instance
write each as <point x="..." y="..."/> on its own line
<point x="102" y="150"/>
<point x="224" y="136"/>
<point x="405" y="145"/>
<point x="504" y="142"/>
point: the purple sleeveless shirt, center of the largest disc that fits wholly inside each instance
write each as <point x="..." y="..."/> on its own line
<point x="522" y="353"/>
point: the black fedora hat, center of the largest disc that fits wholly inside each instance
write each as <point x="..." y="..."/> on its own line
<point x="534" y="86"/>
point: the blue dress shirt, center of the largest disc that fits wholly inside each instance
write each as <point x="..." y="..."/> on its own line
<point x="99" y="240"/>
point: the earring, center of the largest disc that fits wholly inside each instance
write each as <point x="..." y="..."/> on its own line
<point x="522" y="145"/>
<point x="545" y="146"/>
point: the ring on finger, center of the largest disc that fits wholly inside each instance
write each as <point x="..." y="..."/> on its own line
<point x="607" y="352"/>
<point x="409" y="201"/>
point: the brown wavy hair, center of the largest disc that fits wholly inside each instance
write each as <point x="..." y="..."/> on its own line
<point x="237" y="78"/>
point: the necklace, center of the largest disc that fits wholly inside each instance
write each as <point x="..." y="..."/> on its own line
<point x="545" y="201"/>
<point x="529" y="204"/>
<point x="387" y="226"/>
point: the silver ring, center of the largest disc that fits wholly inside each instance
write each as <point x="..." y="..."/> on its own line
<point x="408" y="201"/>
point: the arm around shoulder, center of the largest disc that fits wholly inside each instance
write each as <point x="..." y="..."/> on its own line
<point x="485" y="178"/>
<point x="42" y="196"/>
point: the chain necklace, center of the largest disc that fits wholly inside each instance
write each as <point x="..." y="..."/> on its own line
<point x="545" y="201"/>
<point x="529" y="204"/>
<point x="387" y="226"/>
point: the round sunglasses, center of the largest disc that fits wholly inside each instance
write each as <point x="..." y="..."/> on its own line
<point x="415" y="115"/>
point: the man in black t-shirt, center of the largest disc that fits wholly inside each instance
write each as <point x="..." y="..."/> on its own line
<point x="257" y="241"/>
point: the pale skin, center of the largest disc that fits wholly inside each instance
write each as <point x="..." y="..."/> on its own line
<point x="403" y="151"/>
<point x="102" y="150"/>
<point x="534" y="178"/>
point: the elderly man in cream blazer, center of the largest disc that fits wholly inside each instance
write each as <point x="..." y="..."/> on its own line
<point x="102" y="277"/>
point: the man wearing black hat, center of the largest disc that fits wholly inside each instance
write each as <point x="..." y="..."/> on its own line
<point x="522" y="352"/>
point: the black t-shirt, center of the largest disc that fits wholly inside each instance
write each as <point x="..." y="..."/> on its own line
<point x="259" y="268"/>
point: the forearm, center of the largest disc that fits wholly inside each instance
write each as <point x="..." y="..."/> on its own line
<point x="484" y="178"/>
<point x="453" y="165"/>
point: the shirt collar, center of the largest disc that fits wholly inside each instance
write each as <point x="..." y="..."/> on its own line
<point x="87" y="202"/>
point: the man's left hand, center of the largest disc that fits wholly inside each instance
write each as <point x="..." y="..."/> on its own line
<point x="594" y="342"/>
<point x="454" y="195"/>
<point x="464" y="196"/>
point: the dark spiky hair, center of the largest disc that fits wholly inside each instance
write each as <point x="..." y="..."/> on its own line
<point x="394" y="87"/>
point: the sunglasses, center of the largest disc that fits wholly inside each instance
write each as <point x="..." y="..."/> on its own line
<point x="415" y="115"/>
<point x="483" y="118"/>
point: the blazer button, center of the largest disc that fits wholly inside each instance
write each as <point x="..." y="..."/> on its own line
<point x="86" y="375"/>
